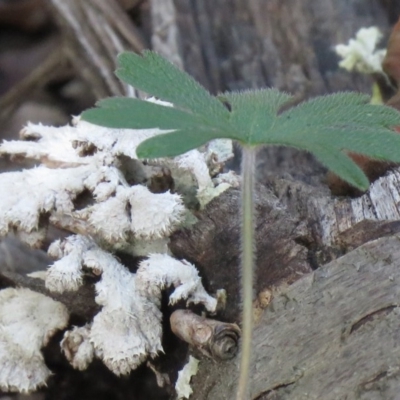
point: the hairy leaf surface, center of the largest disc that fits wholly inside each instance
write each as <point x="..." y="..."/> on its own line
<point x="326" y="126"/>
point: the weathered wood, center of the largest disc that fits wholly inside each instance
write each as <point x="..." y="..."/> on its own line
<point x="299" y="228"/>
<point x="236" y="44"/>
<point x="213" y="245"/>
<point x="339" y="224"/>
<point x="165" y="35"/>
<point x="331" y="335"/>
<point x="94" y="33"/>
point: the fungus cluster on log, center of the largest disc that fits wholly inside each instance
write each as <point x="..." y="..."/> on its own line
<point x="89" y="182"/>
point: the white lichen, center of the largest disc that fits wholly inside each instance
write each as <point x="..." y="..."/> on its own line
<point x="128" y="328"/>
<point x="30" y="194"/>
<point x="114" y="141"/>
<point x="50" y="145"/>
<point x="89" y="182"/>
<point x="77" y="347"/>
<point x="66" y="273"/>
<point x="218" y="152"/>
<point x="76" y="144"/>
<point x="195" y="162"/>
<point x="182" y="385"/>
<point x="27" y="321"/>
<point x="134" y="210"/>
<point x="230" y="178"/>
<point x="153" y="215"/>
<point x="360" y="54"/>
<point x="204" y="165"/>
<point x="160" y="271"/>
<point x="82" y="159"/>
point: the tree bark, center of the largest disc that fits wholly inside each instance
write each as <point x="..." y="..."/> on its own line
<point x="331" y="263"/>
<point x="301" y="343"/>
<point x="236" y="44"/>
<point x="333" y="333"/>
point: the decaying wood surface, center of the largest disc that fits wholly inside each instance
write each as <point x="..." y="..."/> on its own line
<point x="334" y="334"/>
<point x="238" y="44"/>
<point x="300" y="227"/>
<point x="331" y="263"/>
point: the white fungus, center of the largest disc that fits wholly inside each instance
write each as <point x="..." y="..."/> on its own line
<point x="182" y="385"/>
<point x="80" y="186"/>
<point x="128" y="328"/>
<point x="27" y="321"/>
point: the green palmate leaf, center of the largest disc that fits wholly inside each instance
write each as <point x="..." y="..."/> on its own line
<point x="171" y="144"/>
<point x="340" y="164"/>
<point x="254" y="112"/>
<point x="156" y="76"/>
<point x="327" y="126"/>
<point x="138" y="114"/>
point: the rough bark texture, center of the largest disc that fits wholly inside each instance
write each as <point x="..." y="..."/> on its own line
<point x="213" y="243"/>
<point x="317" y="339"/>
<point x="302" y="229"/>
<point x="239" y="44"/>
<point x="333" y="334"/>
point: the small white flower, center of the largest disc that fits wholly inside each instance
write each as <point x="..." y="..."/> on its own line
<point x="360" y="54"/>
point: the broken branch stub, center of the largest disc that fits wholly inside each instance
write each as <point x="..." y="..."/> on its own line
<point x="215" y="339"/>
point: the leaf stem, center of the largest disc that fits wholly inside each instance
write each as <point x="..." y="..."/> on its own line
<point x="248" y="178"/>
